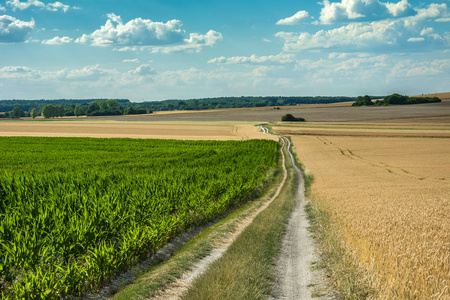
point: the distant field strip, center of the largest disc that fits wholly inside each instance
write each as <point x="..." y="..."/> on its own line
<point x="76" y="211"/>
<point x="144" y="130"/>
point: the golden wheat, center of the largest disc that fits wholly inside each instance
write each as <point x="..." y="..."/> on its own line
<point x="390" y="197"/>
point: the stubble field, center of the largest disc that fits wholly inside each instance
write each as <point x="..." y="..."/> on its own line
<point x="114" y="129"/>
<point x="387" y="187"/>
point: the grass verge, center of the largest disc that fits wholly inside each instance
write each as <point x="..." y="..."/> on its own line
<point x="247" y="269"/>
<point x="159" y="277"/>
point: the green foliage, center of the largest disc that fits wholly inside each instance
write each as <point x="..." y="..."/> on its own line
<point x="134" y="111"/>
<point x="77" y="111"/>
<point x="17" y="113"/>
<point x="34" y="113"/>
<point x="291" y="118"/>
<point x="76" y="211"/>
<point x="104" y="108"/>
<point x="363" y="101"/>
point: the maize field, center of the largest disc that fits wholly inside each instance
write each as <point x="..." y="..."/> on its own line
<point x="74" y="212"/>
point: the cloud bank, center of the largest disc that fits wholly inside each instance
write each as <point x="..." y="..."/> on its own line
<point x="56" y="6"/>
<point x="13" y="30"/>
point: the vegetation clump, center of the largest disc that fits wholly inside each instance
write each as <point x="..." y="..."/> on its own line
<point x="363" y="101"/>
<point x="291" y="118"/>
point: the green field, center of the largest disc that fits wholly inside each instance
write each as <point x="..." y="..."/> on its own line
<point x="76" y="211"/>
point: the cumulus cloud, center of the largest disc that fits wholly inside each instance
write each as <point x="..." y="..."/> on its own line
<point x="58" y="40"/>
<point x="356" y="35"/>
<point x="13" y="30"/>
<point x="143" y="70"/>
<point x="298" y="18"/>
<point x="56" y="6"/>
<point x="138" y="33"/>
<point x="363" y="10"/>
<point x="2" y="8"/>
<point x="255" y="60"/>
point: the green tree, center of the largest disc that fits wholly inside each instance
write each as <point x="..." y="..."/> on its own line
<point x="17" y="113"/>
<point x="77" y="111"/>
<point x="48" y="111"/>
<point x="34" y="113"/>
<point x="58" y="111"/>
<point x="94" y="107"/>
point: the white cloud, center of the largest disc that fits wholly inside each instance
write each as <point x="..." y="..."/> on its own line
<point x="438" y="12"/>
<point x="13" y="30"/>
<point x="409" y="68"/>
<point x="363" y="10"/>
<point x="353" y="35"/>
<point x="255" y="60"/>
<point x="56" y="6"/>
<point x="2" y="8"/>
<point x="143" y="70"/>
<point x="427" y="31"/>
<point x="400" y="9"/>
<point x="299" y="17"/>
<point x="132" y="60"/>
<point x="416" y="39"/>
<point x="138" y="33"/>
<point x="58" y="40"/>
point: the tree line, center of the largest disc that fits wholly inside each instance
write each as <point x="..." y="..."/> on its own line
<point x="101" y="107"/>
<point x="96" y="108"/>
<point x="394" y="99"/>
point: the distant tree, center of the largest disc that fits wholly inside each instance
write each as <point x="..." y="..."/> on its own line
<point x="396" y="99"/>
<point x="17" y="113"/>
<point x="92" y="108"/>
<point x="48" y="111"/>
<point x="6" y="114"/>
<point x="58" y="111"/>
<point x="291" y="118"/>
<point x="34" y="113"/>
<point x="77" y="111"/>
<point x="363" y="101"/>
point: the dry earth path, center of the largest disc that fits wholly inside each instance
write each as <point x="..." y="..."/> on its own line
<point x="296" y="277"/>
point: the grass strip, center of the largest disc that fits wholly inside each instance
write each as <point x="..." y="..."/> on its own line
<point x="247" y="270"/>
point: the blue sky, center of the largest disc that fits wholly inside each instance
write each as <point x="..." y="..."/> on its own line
<point x="164" y="49"/>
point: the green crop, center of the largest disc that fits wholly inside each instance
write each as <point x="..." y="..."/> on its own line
<point x="76" y="211"/>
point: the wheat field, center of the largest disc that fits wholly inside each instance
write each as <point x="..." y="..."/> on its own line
<point x="390" y="196"/>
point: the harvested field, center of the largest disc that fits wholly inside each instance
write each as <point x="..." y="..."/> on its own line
<point x="389" y="193"/>
<point x="186" y="131"/>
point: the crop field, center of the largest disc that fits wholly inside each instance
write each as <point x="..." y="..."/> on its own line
<point x="160" y="130"/>
<point x="76" y="211"/>
<point x="387" y="187"/>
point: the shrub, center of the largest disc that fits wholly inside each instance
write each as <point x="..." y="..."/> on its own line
<point x="291" y="118"/>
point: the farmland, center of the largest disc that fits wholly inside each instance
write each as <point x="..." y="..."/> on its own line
<point x="386" y="187"/>
<point x="76" y="211"/>
<point x="156" y="130"/>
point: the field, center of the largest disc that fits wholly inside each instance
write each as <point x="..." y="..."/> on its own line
<point x="112" y="128"/>
<point x="387" y="187"/>
<point x="76" y="211"/>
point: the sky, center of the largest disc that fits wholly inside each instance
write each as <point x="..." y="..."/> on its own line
<point x="146" y="50"/>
